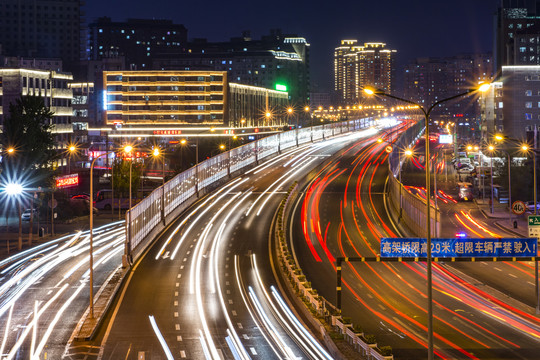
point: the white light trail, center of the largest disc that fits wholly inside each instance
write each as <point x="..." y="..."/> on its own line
<point x="301" y="168"/>
<point x="6" y="333"/>
<point x="161" y="338"/>
<point x="56" y="318"/>
<point x="23" y="336"/>
<point x="201" y="215"/>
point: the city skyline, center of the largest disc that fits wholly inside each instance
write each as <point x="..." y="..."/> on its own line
<point x="439" y="29"/>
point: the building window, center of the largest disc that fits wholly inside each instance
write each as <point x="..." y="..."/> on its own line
<point x="522" y="49"/>
<point x="528" y="105"/>
<point x="528" y="116"/>
<point x="528" y="92"/>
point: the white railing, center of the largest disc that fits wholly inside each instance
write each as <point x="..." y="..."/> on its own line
<point x="147" y="217"/>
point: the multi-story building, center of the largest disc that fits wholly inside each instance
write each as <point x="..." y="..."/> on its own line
<point x="274" y="59"/>
<point x="428" y="80"/>
<point x="43" y="29"/>
<point x="52" y="86"/>
<point x="520" y="100"/>
<point x="137" y="40"/>
<point x="166" y="103"/>
<point x="84" y="110"/>
<point x="516" y="33"/>
<point x="358" y="66"/>
<point x="491" y="107"/>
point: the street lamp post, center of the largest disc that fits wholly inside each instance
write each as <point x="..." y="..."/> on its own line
<point x="371" y="91"/>
<point x="157" y="153"/>
<point x="491" y="148"/>
<point x="91" y="216"/>
<point x="197" y="160"/>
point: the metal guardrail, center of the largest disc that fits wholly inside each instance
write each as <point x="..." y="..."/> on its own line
<point x="145" y="219"/>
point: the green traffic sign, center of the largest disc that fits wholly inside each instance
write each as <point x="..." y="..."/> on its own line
<point x="534" y="220"/>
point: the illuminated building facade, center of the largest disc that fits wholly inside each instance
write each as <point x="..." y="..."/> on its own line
<point x="44" y="29"/>
<point x="137" y="40"/>
<point x="176" y="100"/>
<point x="52" y="86"/>
<point x="165" y="97"/>
<point x="355" y="67"/>
<point x="274" y="59"/>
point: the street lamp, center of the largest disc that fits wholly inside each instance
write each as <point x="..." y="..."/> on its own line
<point x="491" y="148"/>
<point x="72" y="148"/>
<point x="526" y="149"/>
<point x="197" y="158"/>
<point x="15" y="190"/>
<point x="156" y="154"/>
<point x="91" y="216"/>
<point x="372" y="91"/>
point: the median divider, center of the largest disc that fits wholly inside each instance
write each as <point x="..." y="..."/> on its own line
<point x="324" y="315"/>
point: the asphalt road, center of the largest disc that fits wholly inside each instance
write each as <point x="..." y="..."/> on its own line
<point x="48" y="285"/>
<point x="343" y="214"/>
<point x="208" y="281"/>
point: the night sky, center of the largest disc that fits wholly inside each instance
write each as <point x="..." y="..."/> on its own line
<point x="416" y="28"/>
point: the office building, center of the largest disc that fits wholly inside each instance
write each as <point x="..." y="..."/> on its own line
<point x="42" y="29"/>
<point x="137" y="40"/>
<point x="275" y="59"/>
<point x="167" y="103"/>
<point x="356" y="67"/>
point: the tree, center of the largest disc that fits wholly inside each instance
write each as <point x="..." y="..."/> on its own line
<point x="121" y="177"/>
<point x="28" y="130"/>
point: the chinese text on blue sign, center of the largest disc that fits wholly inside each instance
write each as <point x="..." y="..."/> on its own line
<point x="459" y="247"/>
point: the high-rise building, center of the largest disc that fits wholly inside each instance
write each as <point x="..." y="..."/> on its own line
<point x="137" y="40"/>
<point x="43" y="29"/>
<point x="517" y="33"/>
<point x="358" y="66"/>
<point x="428" y="80"/>
<point x="275" y="59"/>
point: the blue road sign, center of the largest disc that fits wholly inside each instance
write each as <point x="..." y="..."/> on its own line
<point x="459" y="247"/>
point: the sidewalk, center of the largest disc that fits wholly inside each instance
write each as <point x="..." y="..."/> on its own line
<point x="503" y="217"/>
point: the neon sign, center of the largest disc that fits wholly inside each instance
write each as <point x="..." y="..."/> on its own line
<point x="67" y="181"/>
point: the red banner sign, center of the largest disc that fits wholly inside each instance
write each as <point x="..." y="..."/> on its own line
<point x="67" y="181"/>
<point x="167" y="132"/>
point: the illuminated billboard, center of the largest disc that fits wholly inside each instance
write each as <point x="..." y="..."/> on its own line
<point x="445" y="139"/>
<point x="67" y="181"/>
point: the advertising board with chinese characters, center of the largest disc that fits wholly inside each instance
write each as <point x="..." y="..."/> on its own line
<point x="459" y="247"/>
<point x="67" y="181"/>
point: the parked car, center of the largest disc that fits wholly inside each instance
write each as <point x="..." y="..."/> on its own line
<point x="82" y="196"/>
<point x="28" y="213"/>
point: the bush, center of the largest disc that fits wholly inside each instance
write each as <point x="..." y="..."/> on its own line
<point x="370" y="339"/>
<point x="347" y="319"/>
<point x="358" y="329"/>
<point x="386" y="350"/>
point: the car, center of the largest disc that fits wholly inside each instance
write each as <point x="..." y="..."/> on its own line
<point x="28" y="213"/>
<point x="82" y="196"/>
<point x="530" y="205"/>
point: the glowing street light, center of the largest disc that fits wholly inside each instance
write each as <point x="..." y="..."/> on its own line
<point x="13" y="189"/>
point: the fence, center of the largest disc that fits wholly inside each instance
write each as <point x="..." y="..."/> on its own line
<point x="146" y="219"/>
<point x="410" y="207"/>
